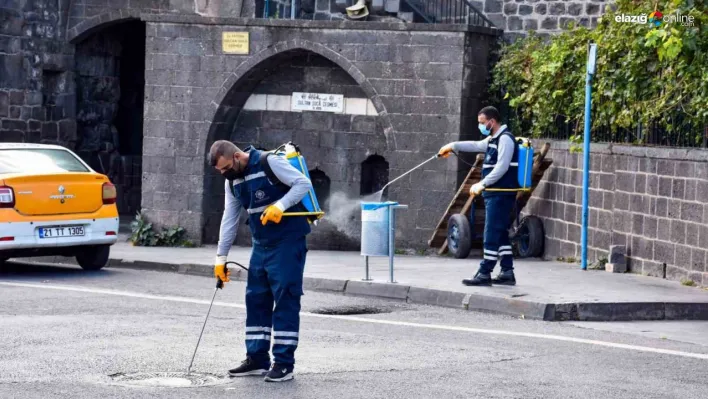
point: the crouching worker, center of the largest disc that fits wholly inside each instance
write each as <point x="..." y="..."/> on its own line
<point x="266" y="186"/>
<point x="498" y="186"/>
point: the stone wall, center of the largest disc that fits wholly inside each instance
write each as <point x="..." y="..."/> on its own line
<point x="517" y="17"/>
<point x="37" y="102"/>
<point x="267" y="121"/>
<point x="195" y="93"/>
<point x="652" y="200"/>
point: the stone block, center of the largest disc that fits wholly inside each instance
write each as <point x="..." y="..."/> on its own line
<point x="665" y="186"/>
<point x="678" y="231"/>
<point x="498" y="20"/>
<point x="530" y="24"/>
<point x="692" y="212"/>
<point x="691" y="187"/>
<point x="541" y="9"/>
<point x="511" y="8"/>
<point x="615" y="268"/>
<point x="575" y="9"/>
<point x="355" y="106"/>
<point x="492" y="6"/>
<point x="557" y="8"/>
<point x="678" y="188"/>
<point x="514" y="24"/>
<point x="683" y="257"/>
<point x="278" y="103"/>
<point x="698" y="259"/>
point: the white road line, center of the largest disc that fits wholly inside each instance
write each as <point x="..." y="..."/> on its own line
<point x="373" y="321"/>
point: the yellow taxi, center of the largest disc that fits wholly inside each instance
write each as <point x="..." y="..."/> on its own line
<point x="53" y="203"/>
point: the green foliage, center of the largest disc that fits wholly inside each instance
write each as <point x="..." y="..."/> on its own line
<point x="644" y="75"/>
<point x="688" y="282"/>
<point x="143" y="234"/>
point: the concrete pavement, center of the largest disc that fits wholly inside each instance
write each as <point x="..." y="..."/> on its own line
<point x="545" y="290"/>
<point x="66" y="332"/>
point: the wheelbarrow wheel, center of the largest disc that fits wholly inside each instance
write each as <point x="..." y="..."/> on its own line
<point x="459" y="236"/>
<point x="529" y="238"/>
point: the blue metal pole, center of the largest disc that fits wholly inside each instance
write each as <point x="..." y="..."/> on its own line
<point x="586" y="155"/>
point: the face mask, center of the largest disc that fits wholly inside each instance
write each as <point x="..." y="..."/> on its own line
<point x="484" y="130"/>
<point x="231" y="173"/>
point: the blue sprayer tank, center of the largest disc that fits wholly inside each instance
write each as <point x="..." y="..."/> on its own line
<point x="525" y="163"/>
<point x="292" y="154"/>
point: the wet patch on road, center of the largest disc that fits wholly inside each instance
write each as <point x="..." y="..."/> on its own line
<point x="349" y="310"/>
<point x="168" y="379"/>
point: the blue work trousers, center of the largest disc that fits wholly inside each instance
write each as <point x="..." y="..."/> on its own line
<point x="275" y="278"/>
<point x="496" y="233"/>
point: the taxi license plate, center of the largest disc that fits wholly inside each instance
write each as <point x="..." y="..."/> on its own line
<point x="61" y="231"/>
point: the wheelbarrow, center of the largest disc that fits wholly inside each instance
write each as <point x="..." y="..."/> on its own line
<point x="526" y="234"/>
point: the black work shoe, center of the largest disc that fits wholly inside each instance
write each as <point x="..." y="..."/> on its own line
<point x="505" y="278"/>
<point x="478" y="279"/>
<point x="280" y="372"/>
<point x="249" y="367"/>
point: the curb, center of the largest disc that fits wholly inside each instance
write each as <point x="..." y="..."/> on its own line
<point x="609" y="311"/>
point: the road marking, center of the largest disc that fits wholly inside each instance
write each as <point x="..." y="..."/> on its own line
<point x="372" y="321"/>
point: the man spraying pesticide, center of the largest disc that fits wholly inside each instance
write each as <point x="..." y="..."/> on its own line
<point x="498" y="186"/>
<point x="271" y="190"/>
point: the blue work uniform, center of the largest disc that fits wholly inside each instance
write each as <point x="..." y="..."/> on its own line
<point x="499" y="205"/>
<point x="276" y="268"/>
<point x="501" y="152"/>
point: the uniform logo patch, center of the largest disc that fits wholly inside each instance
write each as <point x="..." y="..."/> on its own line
<point x="260" y="194"/>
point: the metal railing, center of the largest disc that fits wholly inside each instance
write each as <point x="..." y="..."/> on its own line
<point x="683" y="133"/>
<point x="449" y="12"/>
<point x="427" y="11"/>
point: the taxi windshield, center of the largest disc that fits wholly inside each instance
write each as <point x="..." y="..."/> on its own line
<point x="39" y="160"/>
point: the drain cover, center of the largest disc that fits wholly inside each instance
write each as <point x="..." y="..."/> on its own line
<point x="168" y="379"/>
<point x="350" y="310"/>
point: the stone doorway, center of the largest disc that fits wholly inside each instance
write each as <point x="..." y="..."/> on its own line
<point x="110" y="82"/>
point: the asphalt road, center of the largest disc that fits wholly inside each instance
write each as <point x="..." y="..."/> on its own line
<point x="64" y="331"/>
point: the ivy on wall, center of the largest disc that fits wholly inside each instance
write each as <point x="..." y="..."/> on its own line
<point x="646" y="73"/>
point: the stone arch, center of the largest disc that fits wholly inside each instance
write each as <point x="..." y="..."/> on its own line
<point x="291" y="45"/>
<point x="226" y="108"/>
<point x="89" y="26"/>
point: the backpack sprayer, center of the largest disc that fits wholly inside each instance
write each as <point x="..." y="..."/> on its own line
<point x="292" y="153"/>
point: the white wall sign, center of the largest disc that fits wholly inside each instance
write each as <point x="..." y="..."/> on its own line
<point x="318" y="102"/>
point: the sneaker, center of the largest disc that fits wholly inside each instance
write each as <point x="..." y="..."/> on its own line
<point x="505" y="278"/>
<point x="479" y="279"/>
<point x="249" y="367"/>
<point x="280" y="372"/>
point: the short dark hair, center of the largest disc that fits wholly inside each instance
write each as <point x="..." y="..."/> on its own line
<point x="221" y="148"/>
<point x="490" y="113"/>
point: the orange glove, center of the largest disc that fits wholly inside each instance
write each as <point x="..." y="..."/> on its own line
<point x="445" y="151"/>
<point x="273" y="213"/>
<point x="219" y="266"/>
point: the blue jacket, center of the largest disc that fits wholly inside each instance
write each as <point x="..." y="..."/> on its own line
<point x="255" y="192"/>
<point x="510" y="179"/>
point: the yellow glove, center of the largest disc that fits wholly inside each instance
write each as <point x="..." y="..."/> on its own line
<point x="219" y="266"/>
<point x="272" y="214"/>
<point x="477" y="189"/>
<point x="445" y="150"/>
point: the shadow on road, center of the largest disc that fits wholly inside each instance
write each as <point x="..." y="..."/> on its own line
<point x="16" y="270"/>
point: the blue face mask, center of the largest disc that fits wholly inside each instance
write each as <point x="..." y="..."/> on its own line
<point x="484" y="130"/>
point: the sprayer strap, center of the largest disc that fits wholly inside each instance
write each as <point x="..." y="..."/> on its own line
<point x="269" y="173"/>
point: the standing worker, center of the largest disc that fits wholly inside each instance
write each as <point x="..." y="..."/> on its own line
<point x="499" y="184"/>
<point x="266" y="185"/>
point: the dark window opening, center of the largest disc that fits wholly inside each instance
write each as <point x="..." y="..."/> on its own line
<point x="50" y="91"/>
<point x="131" y="67"/>
<point x="321" y="183"/>
<point x="374" y="174"/>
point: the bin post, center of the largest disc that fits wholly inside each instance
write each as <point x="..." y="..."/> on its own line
<point x="366" y="275"/>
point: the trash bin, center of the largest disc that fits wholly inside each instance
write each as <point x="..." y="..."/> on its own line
<point x="374" y="228"/>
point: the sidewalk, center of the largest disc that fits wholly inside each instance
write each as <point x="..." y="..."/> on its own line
<point x="544" y="290"/>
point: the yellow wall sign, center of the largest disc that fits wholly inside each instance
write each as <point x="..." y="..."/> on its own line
<point x="235" y="42"/>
